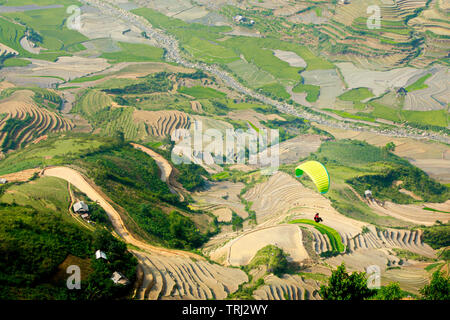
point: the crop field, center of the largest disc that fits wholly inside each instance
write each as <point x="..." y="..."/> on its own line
<point x="25" y="121"/>
<point x="92" y="101"/>
<point x="251" y="74"/>
<point x="50" y="152"/>
<point x="134" y="52"/>
<point x="355" y="95"/>
<point x="333" y="235"/>
<point x="419" y="84"/>
<point x="50" y="24"/>
<point x="46" y="193"/>
<point x="312" y="91"/>
<point x="202" y="92"/>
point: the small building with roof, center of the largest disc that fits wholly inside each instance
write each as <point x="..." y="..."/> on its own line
<point x="119" y="278"/>
<point x="80" y="207"/>
<point x="100" y="255"/>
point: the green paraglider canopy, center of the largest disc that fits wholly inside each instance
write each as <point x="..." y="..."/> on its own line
<point x="317" y="172"/>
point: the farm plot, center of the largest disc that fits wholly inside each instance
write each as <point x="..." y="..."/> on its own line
<point x="283" y="195"/>
<point x="289" y="287"/>
<point x="170" y="277"/>
<point x="162" y="123"/>
<point x="221" y="195"/>
<point x="377" y="81"/>
<point x="45" y="73"/>
<point x="330" y="85"/>
<point x="431" y="157"/>
<point x="25" y="121"/>
<point x="242" y="249"/>
<point x="434" y="96"/>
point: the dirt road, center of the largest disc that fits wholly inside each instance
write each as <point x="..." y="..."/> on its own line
<point x="76" y="179"/>
<point x="166" y="170"/>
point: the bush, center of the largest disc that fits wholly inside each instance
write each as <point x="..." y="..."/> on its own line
<point x="390" y="292"/>
<point x="344" y="286"/>
<point x="272" y="257"/>
<point x="438" y="289"/>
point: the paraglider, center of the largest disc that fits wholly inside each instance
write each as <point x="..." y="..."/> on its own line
<point x="318" y="174"/>
<point x="317" y="218"/>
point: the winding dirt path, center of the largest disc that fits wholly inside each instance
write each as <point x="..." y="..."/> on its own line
<point x="166" y="170"/>
<point x="76" y="179"/>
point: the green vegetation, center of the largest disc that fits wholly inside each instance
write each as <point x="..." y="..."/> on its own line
<point x="130" y="179"/>
<point x="333" y="236"/>
<point x="275" y="90"/>
<point x="390" y="292"/>
<point x="419" y="84"/>
<point x="190" y="176"/>
<point x="134" y="52"/>
<point x="202" y="92"/>
<point x="312" y="91"/>
<point x="437" y="236"/>
<point x="157" y="82"/>
<point x="36" y="243"/>
<point x="14" y="132"/>
<point x="87" y="79"/>
<point x="408" y="255"/>
<point x="272" y="257"/>
<point x="16" y="62"/>
<point x="344" y="286"/>
<point x="356" y="94"/>
<point x="45" y="27"/>
<point x="438" y="289"/>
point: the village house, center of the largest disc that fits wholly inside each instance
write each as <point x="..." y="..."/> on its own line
<point x="80" y="207"/>
<point x="3" y="181"/>
<point x="100" y="254"/>
<point x="119" y="278"/>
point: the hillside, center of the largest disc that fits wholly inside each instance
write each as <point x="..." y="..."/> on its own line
<point x="155" y="115"/>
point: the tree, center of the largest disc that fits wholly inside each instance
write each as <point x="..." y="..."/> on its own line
<point x="390" y="146"/>
<point x="390" y="292"/>
<point x="344" y="286"/>
<point x="438" y="289"/>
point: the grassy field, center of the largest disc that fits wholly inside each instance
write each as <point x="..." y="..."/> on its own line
<point x="49" y="23"/>
<point x="202" y="92"/>
<point x="312" y="91"/>
<point x="43" y="194"/>
<point x="433" y="117"/>
<point x="333" y="235"/>
<point x="92" y="101"/>
<point x="87" y="79"/>
<point x="54" y="151"/>
<point x="419" y="84"/>
<point x="133" y="52"/>
<point x="349" y="115"/>
<point x="250" y="74"/>
<point x="357" y="94"/>
<point x="275" y="90"/>
<point x="16" y="62"/>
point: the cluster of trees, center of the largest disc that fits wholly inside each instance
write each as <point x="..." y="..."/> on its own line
<point x="437" y="236"/>
<point x="130" y="178"/>
<point x="12" y="127"/>
<point x="157" y="82"/>
<point x="344" y="286"/>
<point x="289" y="128"/>
<point x="190" y="176"/>
<point x="412" y="178"/>
<point x="174" y="229"/>
<point x="274" y="258"/>
<point x="34" y="244"/>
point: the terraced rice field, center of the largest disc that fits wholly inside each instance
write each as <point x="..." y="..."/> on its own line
<point x="289" y="287"/>
<point x="283" y="195"/>
<point x="39" y="121"/>
<point x="162" y="123"/>
<point x="242" y="249"/>
<point x="171" y="277"/>
<point x="435" y="97"/>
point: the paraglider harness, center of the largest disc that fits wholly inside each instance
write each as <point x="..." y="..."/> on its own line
<point x="317" y="218"/>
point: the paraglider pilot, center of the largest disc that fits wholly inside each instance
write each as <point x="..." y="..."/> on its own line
<point x="317" y="218"/>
